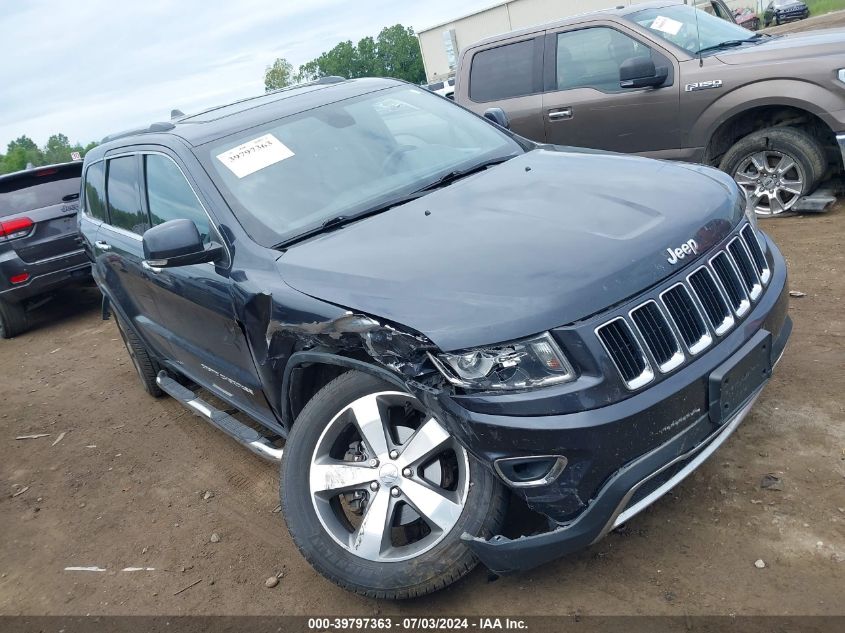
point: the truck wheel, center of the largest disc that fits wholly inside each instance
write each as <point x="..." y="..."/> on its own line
<point x="376" y="493"/>
<point x="12" y="319"/>
<point x="776" y="166"/>
<point x="145" y="366"/>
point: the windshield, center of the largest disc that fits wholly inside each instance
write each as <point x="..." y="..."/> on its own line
<point x="677" y="24"/>
<point x="341" y="159"/>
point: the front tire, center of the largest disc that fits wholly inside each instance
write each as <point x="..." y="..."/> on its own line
<point x="13" y="319"/>
<point x="142" y="361"/>
<point x="776" y="166"/>
<point x="376" y="493"/>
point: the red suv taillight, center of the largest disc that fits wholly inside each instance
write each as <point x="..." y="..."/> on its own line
<point x="10" y="229"/>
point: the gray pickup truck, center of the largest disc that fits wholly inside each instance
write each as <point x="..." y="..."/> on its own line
<point x="665" y="80"/>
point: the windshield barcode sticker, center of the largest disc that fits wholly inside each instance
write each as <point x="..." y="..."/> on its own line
<point x="252" y="156"/>
<point x="666" y="25"/>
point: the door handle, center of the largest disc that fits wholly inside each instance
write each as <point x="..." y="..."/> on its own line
<point x="560" y="114"/>
<point x="103" y="246"/>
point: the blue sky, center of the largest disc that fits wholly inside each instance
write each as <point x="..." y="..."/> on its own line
<point x="92" y="67"/>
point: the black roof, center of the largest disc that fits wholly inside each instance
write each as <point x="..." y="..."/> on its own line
<point x="220" y="121"/>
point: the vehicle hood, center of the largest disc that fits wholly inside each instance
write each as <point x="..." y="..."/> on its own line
<point x="788" y="48"/>
<point x="545" y="239"/>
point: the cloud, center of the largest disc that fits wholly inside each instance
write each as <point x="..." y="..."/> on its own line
<point x="89" y="69"/>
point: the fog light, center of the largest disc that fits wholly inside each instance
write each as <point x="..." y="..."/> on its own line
<point x="19" y="279"/>
<point x="536" y="470"/>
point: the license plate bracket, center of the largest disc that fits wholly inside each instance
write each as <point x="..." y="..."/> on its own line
<point x="741" y="375"/>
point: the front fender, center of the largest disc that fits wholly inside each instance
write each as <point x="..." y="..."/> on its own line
<point x="778" y="92"/>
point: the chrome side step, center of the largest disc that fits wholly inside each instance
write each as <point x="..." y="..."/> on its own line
<point x="245" y="435"/>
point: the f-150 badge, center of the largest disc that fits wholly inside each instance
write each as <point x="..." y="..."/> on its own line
<point x="703" y="85"/>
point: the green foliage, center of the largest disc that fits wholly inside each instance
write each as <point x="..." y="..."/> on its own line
<point x="279" y="75"/>
<point x="817" y="7"/>
<point x="23" y="151"/>
<point x="395" y="52"/>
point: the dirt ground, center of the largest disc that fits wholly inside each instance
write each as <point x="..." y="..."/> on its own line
<point x="119" y="482"/>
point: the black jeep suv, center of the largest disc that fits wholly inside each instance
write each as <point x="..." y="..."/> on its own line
<point x="436" y="315"/>
<point x="39" y="243"/>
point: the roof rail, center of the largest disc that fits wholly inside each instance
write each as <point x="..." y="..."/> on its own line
<point x="163" y="126"/>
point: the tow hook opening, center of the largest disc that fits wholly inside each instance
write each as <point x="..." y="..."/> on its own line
<point x="534" y="470"/>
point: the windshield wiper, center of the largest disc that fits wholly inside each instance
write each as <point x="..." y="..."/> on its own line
<point x="342" y="220"/>
<point x="452" y="176"/>
<point x="730" y="44"/>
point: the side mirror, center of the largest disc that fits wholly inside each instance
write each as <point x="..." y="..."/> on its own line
<point x="177" y="243"/>
<point x="639" y="72"/>
<point x="498" y="116"/>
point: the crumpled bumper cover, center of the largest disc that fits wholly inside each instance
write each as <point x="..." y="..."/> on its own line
<point x="629" y="491"/>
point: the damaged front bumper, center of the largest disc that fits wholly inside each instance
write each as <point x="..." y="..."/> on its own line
<point x="623" y="456"/>
<point x="627" y="493"/>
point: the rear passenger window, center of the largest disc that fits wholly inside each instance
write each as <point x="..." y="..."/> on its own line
<point x="124" y="195"/>
<point x="503" y="72"/>
<point x="169" y="195"/>
<point x="590" y="58"/>
<point x="95" y="191"/>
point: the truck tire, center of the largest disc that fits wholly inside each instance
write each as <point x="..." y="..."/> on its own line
<point x="146" y="367"/>
<point x="381" y="511"/>
<point x="13" y="319"/>
<point x="776" y="166"/>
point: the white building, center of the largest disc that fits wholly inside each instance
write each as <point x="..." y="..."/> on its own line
<point x="441" y="43"/>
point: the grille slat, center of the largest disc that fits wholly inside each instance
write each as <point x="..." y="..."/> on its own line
<point x="745" y="266"/>
<point x="707" y="302"/>
<point x="711" y="299"/>
<point x="687" y="318"/>
<point x="753" y="245"/>
<point x="730" y="282"/>
<point x="625" y="351"/>
<point x="658" y="335"/>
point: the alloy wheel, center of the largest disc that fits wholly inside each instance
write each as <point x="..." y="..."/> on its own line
<point x="387" y="481"/>
<point x="773" y="181"/>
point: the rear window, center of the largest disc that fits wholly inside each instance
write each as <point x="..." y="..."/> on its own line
<point x="39" y="189"/>
<point x="503" y="72"/>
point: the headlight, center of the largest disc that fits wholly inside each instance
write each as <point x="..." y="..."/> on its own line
<point x="841" y="75"/>
<point x="534" y="362"/>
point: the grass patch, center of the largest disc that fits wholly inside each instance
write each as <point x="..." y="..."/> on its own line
<point x="817" y="7"/>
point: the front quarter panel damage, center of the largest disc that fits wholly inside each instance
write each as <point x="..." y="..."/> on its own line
<point x="280" y="324"/>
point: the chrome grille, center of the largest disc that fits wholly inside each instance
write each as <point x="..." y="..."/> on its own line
<point x="687" y="318"/>
<point x="658" y="336"/>
<point x="626" y="352"/>
<point x="746" y="267"/>
<point x="753" y="245"/>
<point x="712" y="300"/>
<point x="731" y="283"/>
<point x="694" y="312"/>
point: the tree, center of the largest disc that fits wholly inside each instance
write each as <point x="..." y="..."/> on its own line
<point x="394" y="53"/>
<point x="21" y="152"/>
<point x="57" y="149"/>
<point x="398" y="51"/>
<point x="279" y="75"/>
